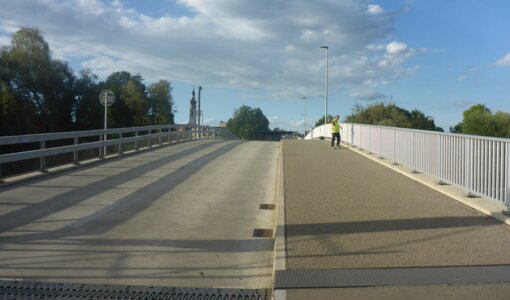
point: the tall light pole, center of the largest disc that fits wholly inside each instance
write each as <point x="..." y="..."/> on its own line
<point x="326" y="90"/>
<point x="304" y="135"/>
<point x="199" y="111"/>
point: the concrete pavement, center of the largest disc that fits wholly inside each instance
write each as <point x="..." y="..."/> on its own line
<point x="182" y="215"/>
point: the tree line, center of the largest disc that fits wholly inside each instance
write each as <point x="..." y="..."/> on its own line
<point x="387" y="115"/>
<point x="40" y="94"/>
<point x="477" y="120"/>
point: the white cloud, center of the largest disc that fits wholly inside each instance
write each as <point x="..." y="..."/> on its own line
<point x="461" y="78"/>
<point x="270" y="45"/>
<point x="369" y="96"/>
<point x="396" y="54"/>
<point x="504" y="62"/>
<point x="375" y="9"/>
<point x="396" y="48"/>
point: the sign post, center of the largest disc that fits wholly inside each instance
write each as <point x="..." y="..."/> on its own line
<point x="107" y="98"/>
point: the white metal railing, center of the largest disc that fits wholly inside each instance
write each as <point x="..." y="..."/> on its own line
<point x="119" y="138"/>
<point x="480" y="165"/>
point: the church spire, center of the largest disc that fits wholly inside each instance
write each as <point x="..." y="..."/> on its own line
<point x="193" y="108"/>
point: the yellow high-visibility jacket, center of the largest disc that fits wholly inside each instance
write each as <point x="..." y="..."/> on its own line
<point x="335" y="126"/>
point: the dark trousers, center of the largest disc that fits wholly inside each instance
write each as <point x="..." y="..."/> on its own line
<point x="336" y="135"/>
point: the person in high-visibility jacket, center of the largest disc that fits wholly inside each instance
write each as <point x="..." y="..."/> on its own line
<point x="335" y="131"/>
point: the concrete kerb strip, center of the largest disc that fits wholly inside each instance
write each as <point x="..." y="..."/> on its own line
<point x="482" y="204"/>
<point x="280" y="250"/>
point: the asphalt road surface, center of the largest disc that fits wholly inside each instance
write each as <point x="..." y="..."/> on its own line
<point x="182" y="215"/>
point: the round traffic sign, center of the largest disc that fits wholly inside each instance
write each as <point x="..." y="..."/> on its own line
<point x="107" y="97"/>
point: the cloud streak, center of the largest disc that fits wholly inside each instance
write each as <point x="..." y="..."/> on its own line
<point x="262" y="45"/>
<point x="504" y="62"/>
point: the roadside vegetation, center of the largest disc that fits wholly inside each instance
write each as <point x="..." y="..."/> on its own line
<point x="41" y="94"/>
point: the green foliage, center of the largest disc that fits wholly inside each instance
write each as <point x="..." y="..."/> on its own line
<point x="160" y="103"/>
<point x="42" y="94"/>
<point x="246" y="121"/>
<point x="42" y="88"/>
<point x="479" y="120"/>
<point x="391" y="115"/>
<point x="87" y="109"/>
<point x="320" y="122"/>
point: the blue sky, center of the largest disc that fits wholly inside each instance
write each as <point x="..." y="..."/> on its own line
<point x="440" y="57"/>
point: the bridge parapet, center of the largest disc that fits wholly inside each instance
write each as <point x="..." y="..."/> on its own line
<point x="478" y="164"/>
<point x="37" y="151"/>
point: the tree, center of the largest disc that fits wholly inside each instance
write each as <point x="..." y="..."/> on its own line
<point x="88" y="112"/>
<point x="391" y="115"/>
<point x="42" y="94"/>
<point x="160" y="103"/>
<point x="246" y="121"/>
<point x="320" y="122"/>
<point x="131" y="105"/>
<point x="33" y="83"/>
<point x="479" y="120"/>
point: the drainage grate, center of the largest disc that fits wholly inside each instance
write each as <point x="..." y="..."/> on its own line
<point x="25" y="290"/>
<point x="291" y="279"/>
<point x="263" y="233"/>
<point x="268" y="206"/>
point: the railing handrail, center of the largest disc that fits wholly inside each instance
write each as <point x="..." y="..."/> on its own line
<point x="38" y="137"/>
<point x="102" y="142"/>
<point x="489" y="138"/>
<point x="478" y="164"/>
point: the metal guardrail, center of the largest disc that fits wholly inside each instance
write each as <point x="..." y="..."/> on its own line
<point x="118" y="137"/>
<point x="480" y="165"/>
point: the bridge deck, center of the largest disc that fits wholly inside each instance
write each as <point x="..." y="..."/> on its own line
<point x="344" y="211"/>
<point x="185" y="215"/>
<point x="180" y="216"/>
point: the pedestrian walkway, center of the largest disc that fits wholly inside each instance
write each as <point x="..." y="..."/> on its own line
<point x="348" y="217"/>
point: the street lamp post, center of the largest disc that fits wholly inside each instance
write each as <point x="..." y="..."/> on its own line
<point x="199" y="111"/>
<point x="326" y="90"/>
<point x="304" y="135"/>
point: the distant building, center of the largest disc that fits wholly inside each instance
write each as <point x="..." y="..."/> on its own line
<point x="222" y="124"/>
<point x="193" y="109"/>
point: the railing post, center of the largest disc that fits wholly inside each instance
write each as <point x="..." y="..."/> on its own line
<point x="507" y="198"/>
<point x="467" y="166"/>
<point x="361" y="137"/>
<point x="346" y="133"/>
<point x="380" y="143"/>
<point x="506" y="211"/>
<point x="369" y="143"/>
<point x="100" y="149"/>
<point x="159" y="136"/>
<point x="439" y="159"/>
<point x="413" y="152"/>
<point x="136" y="140"/>
<point x="105" y="147"/>
<point x="75" y="153"/>
<point x="43" y="158"/>
<point x="121" y="136"/>
<point x="394" y="147"/>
